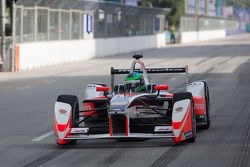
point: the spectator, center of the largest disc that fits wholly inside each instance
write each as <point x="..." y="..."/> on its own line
<point x="172" y="34"/>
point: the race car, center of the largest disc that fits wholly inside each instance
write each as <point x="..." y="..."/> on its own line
<point x="137" y="108"/>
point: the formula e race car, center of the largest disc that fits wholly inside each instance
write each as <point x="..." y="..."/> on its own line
<point x="136" y="109"/>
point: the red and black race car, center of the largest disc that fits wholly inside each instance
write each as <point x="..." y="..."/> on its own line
<point x="122" y="112"/>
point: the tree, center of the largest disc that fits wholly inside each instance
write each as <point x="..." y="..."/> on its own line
<point x="243" y="2"/>
<point x="156" y="3"/>
<point x="177" y="8"/>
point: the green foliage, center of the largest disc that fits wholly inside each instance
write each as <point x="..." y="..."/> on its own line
<point x="243" y="2"/>
<point x="177" y="8"/>
<point x="157" y="3"/>
<point x="147" y="3"/>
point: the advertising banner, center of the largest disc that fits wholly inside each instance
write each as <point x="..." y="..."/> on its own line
<point x="211" y="7"/>
<point x="157" y="24"/>
<point x="219" y="8"/>
<point x="228" y="11"/>
<point x="190" y="6"/>
<point x="131" y="2"/>
<point x="88" y="24"/>
<point x="202" y="7"/>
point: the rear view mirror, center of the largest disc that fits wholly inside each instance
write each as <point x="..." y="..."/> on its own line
<point x="102" y="89"/>
<point x="161" y="87"/>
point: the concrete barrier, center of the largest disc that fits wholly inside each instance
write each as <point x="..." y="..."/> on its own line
<point x="193" y="36"/>
<point x="211" y="34"/>
<point x="48" y="53"/>
<point x="189" y="37"/>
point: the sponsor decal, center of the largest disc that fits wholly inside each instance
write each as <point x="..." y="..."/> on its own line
<point x="85" y="108"/>
<point x="178" y="109"/>
<point x="120" y="102"/>
<point x="188" y="134"/>
<point x="62" y="111"/>
<point x="143" y="110"/>
<point x="202" y="116"/>
<point x="117" y="108"/>
<point x="146" y="111"/>
<point x="123" y="70"/>
<point x="91" y="86"/>
<point x="79" y="130"/>
<point x="199" y="106"/>
<point x="163" y="128"/>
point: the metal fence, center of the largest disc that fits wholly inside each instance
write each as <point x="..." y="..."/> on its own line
<point x="39" y="20"/>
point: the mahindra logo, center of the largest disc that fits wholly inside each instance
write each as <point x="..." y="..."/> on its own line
<point x="62" y="111"/>
<point x="179" y="109"/>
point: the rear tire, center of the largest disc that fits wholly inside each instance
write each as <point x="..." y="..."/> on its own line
<point x="73" y="102"/>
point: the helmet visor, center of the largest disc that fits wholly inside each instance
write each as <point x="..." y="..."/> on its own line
<point x="132" y="84"/>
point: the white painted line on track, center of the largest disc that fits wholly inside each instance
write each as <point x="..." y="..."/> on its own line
<point x="43" y="136"/>
<point x="172" y="79"/>
<point x="6" y="89"/>
<point x="23" y="88"/>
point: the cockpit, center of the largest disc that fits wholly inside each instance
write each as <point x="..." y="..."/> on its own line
<point x="137" y="78"/>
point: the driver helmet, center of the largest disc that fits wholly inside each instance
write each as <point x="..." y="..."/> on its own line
<point x="135" y="82"/>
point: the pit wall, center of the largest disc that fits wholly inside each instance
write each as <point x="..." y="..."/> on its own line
<point x="49" y="53"/>
<point x="193" y="36"/>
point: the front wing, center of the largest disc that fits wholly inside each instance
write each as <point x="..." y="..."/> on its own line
<point x="179" y="130"/>
<point x="108" y="136"/>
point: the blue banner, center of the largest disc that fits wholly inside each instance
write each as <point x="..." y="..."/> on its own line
<point x="219" y="8"/>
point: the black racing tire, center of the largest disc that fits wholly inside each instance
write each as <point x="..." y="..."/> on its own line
<point x="193" y="138"/>
<point x="70" y="143"/>
<point x="183" y="96"/>
<point x="207" y="125"/>
<point x="72" y="100"/>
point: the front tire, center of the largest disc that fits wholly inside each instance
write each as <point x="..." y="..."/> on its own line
<point x="207" y="125"/>
<point x="193" y="138"/>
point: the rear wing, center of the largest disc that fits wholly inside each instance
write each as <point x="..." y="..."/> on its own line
<point x="149" y="71"/>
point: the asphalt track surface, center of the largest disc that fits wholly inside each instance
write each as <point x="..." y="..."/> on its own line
<point x="27" y="99"/>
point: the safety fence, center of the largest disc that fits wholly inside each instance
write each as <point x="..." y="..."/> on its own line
<point x="39" y="20"/>
<point x="38" y="24"/>
<point x="66" y="21"/>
